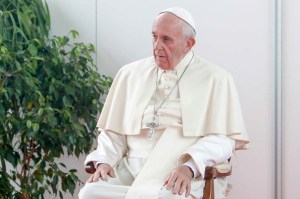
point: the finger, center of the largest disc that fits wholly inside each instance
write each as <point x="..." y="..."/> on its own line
<point x="96" y="176"/>
<point x="177" y="186"/>
<point x="171" y="181"/>
<point x="104" y="175"/>
<point x="188" y="190"/>
<point x="167" y="179"/>
<point x="184" y="185"/>
<point x="112" y="173"/>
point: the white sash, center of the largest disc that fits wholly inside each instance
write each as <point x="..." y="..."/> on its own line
<point x="160" y="163"/>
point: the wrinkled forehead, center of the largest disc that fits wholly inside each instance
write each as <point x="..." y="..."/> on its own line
<point x="168" y="24"/>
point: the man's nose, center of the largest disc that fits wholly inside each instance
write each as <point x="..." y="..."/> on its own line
<point x="157" y="45"/>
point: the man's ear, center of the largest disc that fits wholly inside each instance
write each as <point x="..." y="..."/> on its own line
<point x="189" y="44"/>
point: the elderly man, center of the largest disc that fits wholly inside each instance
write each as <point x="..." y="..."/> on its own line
<point x="165" y="119"/>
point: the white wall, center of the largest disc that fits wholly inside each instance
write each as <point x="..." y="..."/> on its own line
<point x="237" y="35"/>
<point x="291" y="98"/>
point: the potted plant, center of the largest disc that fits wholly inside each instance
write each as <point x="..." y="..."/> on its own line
<point x="49" y="100"/>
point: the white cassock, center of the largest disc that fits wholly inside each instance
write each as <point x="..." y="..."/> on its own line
<point x="141" y="165"/>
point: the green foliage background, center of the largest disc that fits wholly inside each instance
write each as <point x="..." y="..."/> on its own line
<point x="49" y="100"/>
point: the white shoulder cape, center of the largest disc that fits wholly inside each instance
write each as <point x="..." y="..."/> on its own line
<point x="208" y="97"/>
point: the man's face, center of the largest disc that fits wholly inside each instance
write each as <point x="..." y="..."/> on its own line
<point x="169" y="43"/>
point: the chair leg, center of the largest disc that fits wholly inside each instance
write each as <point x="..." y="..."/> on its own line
<point x="209" y="191"/>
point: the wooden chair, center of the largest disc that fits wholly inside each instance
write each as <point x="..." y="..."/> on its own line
<point x="211" y="173"/>
<point x="219" y="170"/>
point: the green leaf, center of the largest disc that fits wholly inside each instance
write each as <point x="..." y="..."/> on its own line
<point x="64" y="183"/>
<point x="29" y="82"/>
<point x="25" y="22"/>
<point x="73" y="170"/>
<point x="40" y="111"/>
<point x="66" y="100"/>
<point x="94" y="101"/>
<point x="70" y="90"/>
<point x="37" y="41"/>
<point x="42" y="165"/>
<point x="91" y="47"/>
<point x="12" y="158"/>
<point x="28" y="124"/>
<point x="74" y="33"/>
<point x="40" y="178"/>
<point x="65" y="40"/>
<point x="71" y="184"/>
<point x="72" y="139"/>
<point x="54" y="183"/>
<point x="35" y="127"/>
<point x="50" y="172"/>
<point x="32" y="49"/>
<point x="2" y="109"/>
<point x="62" y="164"/>
<point x="41" y="100"/>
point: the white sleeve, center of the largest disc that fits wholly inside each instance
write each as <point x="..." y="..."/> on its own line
<point x="192" y="165"/>
<point x="111" y="149"/>
<point x="208" y="151"/>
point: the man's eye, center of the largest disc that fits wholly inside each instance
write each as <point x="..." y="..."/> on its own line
<point x="166" y="39"/>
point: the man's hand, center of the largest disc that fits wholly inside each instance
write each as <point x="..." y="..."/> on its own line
<point x="180" y="178"/>
<point x="103" y="171"/>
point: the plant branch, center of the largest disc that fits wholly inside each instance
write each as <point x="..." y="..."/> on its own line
<point x="28" y="154"/>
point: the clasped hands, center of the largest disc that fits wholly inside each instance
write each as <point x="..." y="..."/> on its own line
<point x="179" y="178"/>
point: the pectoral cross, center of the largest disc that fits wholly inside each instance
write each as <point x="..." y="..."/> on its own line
<point x="153" y="124"/>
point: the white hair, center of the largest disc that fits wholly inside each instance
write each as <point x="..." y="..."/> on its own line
<point x="187" y="30"/>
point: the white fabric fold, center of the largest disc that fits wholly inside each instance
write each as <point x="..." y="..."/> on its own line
<point x="159" y="164"/>
<point x="111" y="149"/>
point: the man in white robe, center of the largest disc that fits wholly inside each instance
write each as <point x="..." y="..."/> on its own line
<point x="165" y="119"/>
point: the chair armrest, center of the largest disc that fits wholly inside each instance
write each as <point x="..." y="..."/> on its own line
<point x="212" y="172"/>
<point x="219" y="170"/>
<point x="90" y="168"/>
